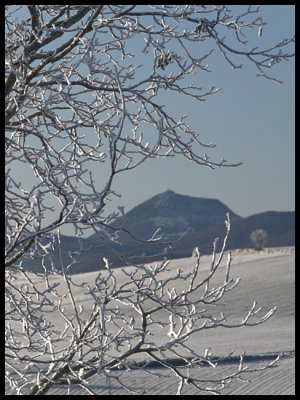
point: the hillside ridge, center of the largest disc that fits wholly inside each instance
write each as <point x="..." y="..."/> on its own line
<point x="201" y="219"/>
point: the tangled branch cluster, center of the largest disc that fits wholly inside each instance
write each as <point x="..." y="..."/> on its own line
<point x="76" y="104"/>
<point x="82" y="107"/>
<point x="152" y="310"/>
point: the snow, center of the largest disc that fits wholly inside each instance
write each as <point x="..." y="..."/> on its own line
<point x="267" y="277"/>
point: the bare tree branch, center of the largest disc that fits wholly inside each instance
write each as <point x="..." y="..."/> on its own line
<point x="84" y="88"/>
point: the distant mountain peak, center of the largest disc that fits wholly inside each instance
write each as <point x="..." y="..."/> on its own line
<point x="172" y="209"/>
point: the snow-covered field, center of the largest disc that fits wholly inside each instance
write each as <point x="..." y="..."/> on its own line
<point x="268" y="278"/>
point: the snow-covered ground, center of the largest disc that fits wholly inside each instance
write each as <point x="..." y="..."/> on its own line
<point x="268" y="278"/>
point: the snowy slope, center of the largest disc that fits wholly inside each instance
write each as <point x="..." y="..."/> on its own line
<point x="268" y="278"/>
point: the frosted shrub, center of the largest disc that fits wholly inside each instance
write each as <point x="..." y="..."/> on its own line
<point x="259" y="238"/>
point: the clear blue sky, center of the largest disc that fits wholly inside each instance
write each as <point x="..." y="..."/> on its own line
<point x="251" y="120"/>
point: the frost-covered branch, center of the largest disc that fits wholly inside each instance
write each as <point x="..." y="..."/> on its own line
<point x="153" y="310"/>
<point x="66" y="92"/>
<point x="85" y="103"/>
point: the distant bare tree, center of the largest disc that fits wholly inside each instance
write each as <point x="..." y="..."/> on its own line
<point x="259" y="238"/>
<point x="78" y="95"/>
